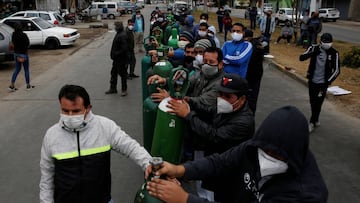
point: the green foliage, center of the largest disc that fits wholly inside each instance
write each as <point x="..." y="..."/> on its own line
<point x="352" y="58"/>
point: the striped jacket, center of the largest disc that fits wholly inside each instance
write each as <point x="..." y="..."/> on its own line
<point x="75" y="166"/>
<point x="237" y="56"/>
<point x="332" y="64"/>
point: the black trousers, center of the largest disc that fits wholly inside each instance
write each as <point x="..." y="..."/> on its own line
<point x="252" y="23"/>
<point x="132" y="63"/>
<point x="253" y="93"/>
<point x="317" y="93"/>
<point x="118" y="68"/>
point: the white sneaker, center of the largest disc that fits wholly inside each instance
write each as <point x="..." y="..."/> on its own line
<point x="311" y="127"/>
<point x="317" y="124"/>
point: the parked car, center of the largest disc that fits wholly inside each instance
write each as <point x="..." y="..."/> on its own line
<point x="284" y="14"/>
<point x="41" y="32"/>
<point x="241" y="3"/>
<point x="227" y="8"/>
<point x="181" y="8"/>
<point x="128" y="6"/>
<point x="52" y="17"/>
<point x="329" y="14"/>
<point x="113" y="10"/>
<point x="267" y="6"/>
<point x="5" y="38"/>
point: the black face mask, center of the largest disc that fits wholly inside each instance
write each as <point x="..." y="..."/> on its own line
<point x="189" y="59"/>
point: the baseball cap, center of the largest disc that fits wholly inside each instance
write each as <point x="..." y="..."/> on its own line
<point x="326" y="38"/>
<point x="232" y="83"/>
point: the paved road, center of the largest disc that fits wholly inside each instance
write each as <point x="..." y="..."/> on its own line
<point x="27" y="115"/>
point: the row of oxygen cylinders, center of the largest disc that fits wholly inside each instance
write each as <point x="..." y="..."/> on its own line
<point x="163" y="133"/>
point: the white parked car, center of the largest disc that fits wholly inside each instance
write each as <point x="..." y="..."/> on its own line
<point x="284" y="14"/>
<point x="329" y="14"/>
<point x="52" y="17"/>
<point x="41" y="32"/>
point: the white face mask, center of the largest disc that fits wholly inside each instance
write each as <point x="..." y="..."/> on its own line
<point x="199" y="59"/>
<point x="73" y="122"/>
<point x="210" y="35"/>
<point x="202" y="33"/>
<point x="326" y="46"/>
<point x="236" y="36"/>
<point x="182" y="44"/>
<point x="138" y="16"/>
<point x="269" y="165"/>
<point x="131" y="27"/>
<point x="202" y="21"/>
<point x="209" y="70"/>
<point x="223" y="106"/>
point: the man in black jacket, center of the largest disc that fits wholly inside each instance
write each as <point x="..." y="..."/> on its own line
<point x="119" y="49"/>
<point x="323" y="69"/>
<point x="255" y="70"/>
<point x="276" y="165"/>
<point x="232" y="124"/>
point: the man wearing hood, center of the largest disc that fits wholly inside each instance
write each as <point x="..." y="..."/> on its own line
<point x="276" y="165"/>
<point x="119" y="49"/>
<point x="212" y="34"/>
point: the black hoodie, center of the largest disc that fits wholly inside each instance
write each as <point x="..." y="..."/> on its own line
<point x="284" y="131"/>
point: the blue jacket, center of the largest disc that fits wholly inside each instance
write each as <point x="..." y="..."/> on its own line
<point x="237" y="55"/>
<point x="135" y="23"/>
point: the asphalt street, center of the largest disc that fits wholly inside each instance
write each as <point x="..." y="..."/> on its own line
<point x="26" y="115"/>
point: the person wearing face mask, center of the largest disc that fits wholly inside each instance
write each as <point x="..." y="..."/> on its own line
<point x="204" y="17"/>
<point x="276" y="165"/>
<point x="212" y="34"/>
<point x="119" y="49"/>
<point x="237" y="53"/>
<point x="131" y="52"/>
<point x="75" y="154"/>
<point x="139" y="28"/>
<point x="227" y="21"/>
<point x="286" y="32"/>
<point x="231" y="124"/>
<point x="267" y="27"/>
<point x="179" y="53"/>
<point x="220" y="15"/>
<point x="324" y="68"/>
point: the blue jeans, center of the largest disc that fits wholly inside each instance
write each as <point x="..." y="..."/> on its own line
<point x="18" y="68"/>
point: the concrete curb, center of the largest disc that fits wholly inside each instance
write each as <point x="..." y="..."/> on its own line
<point x="288" y="72"/>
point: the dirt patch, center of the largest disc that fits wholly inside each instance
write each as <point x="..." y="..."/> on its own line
<point x="42" y="59"/>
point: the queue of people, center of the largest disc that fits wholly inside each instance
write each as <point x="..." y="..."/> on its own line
<point x="222" y="152"/>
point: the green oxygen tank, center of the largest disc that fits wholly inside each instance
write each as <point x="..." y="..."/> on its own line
<point x="174" y="38"/>
<point x="169" y="128"/>
<point x="162" y="68"/>
<point x="142" y="195"/>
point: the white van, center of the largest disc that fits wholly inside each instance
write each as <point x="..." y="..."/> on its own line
<point x="112" y="9"/>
